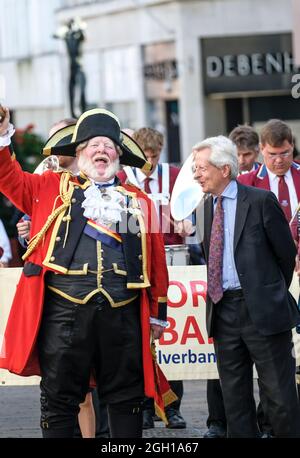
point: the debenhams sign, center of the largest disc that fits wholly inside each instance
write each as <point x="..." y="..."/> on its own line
<point x="248" y="63"/>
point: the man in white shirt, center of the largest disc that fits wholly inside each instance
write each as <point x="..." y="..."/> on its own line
<point x="158" y="182"/>
<point x="279" y="173"/>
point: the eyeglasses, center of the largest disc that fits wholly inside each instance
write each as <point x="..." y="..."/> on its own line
<point x="274" y="156"/>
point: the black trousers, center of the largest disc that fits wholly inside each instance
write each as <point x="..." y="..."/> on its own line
<point x="75" y="340"/>
<point x="215" y="403"/>
<point x="238" y="346"/>
<point x="216" y="409"/>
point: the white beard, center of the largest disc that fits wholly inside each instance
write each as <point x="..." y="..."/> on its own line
<point x="86" y="166"/>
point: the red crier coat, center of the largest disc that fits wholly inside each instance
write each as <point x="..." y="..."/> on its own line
<point x="170" y="238"/>
<point x="38" y="196"/>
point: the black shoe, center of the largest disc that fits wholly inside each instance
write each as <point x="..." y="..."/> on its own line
<point x="215" y="431"/>
<point x="147" y="419"/>
<point x="175" y="419"/>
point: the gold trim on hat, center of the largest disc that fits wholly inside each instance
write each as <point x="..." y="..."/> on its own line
<point x="132" y="146"/>
<point x="57" y="137"/>
<point x="136" y="150"/>
<point x="147" y="167"/>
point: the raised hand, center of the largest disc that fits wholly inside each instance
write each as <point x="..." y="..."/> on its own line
<point x="4" y="120"/>
<point x="23" y="228"/>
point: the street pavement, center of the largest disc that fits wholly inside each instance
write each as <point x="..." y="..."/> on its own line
<point x="19" y="407"/>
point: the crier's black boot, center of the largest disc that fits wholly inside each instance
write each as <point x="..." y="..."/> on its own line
<point x="125" y="420"/>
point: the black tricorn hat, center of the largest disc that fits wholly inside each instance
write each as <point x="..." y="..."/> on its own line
<point x="102" y="123"/>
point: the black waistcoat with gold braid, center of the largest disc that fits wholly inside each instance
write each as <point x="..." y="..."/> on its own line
<point x="85" y="266"/>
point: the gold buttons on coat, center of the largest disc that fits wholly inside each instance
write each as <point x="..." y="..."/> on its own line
<point x="139" y="235"/>
<point x="52" y="258"/>
<point x="140" y="257"/>
<point x="73" y="200"/>
<point x="58" y="239"/>
<point x="141" y="277"/>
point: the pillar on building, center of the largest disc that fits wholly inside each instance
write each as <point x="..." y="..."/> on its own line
<point x="192" y="116"/>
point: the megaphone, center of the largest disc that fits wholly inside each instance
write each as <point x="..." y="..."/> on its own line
<point x="187" y="193"/>
<point x="49" y="163"/>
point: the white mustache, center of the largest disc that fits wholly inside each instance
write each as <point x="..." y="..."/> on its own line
<point x="87" y="166"/>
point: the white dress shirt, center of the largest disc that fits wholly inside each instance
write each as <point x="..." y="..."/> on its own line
<point x="153" y="185"/>
<point x="229" y="203"/>
<point x="274" y="180"/>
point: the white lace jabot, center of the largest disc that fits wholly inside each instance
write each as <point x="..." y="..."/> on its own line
<point x="104" y="205"/>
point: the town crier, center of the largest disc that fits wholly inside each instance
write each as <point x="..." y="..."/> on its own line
<point x="94" y="285"/>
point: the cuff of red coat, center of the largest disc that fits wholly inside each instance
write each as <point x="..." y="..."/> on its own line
<point x="161" y="323"/>
<point x="162" y="308"/>
<point x="5" y="139"/>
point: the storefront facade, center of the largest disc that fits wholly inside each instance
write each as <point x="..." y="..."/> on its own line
<point x="253" y="77"/>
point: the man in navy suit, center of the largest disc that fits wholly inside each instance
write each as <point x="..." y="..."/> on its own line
<point x="252" y="317"/>
<point x="246" y="140"/>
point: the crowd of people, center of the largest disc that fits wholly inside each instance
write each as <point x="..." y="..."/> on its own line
<point x="92" y="298"/>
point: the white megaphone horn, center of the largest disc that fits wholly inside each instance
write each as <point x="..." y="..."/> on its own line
<point x="187" y="193"/>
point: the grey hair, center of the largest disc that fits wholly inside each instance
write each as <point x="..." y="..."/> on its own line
<point x="223" y="152"/>
<point x="81" y="146"/>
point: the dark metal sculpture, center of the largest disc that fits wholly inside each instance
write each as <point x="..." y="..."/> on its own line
<point x="73" y="35"/>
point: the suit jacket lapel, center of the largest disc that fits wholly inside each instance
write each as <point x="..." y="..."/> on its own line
<point x="242" y="208"/>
